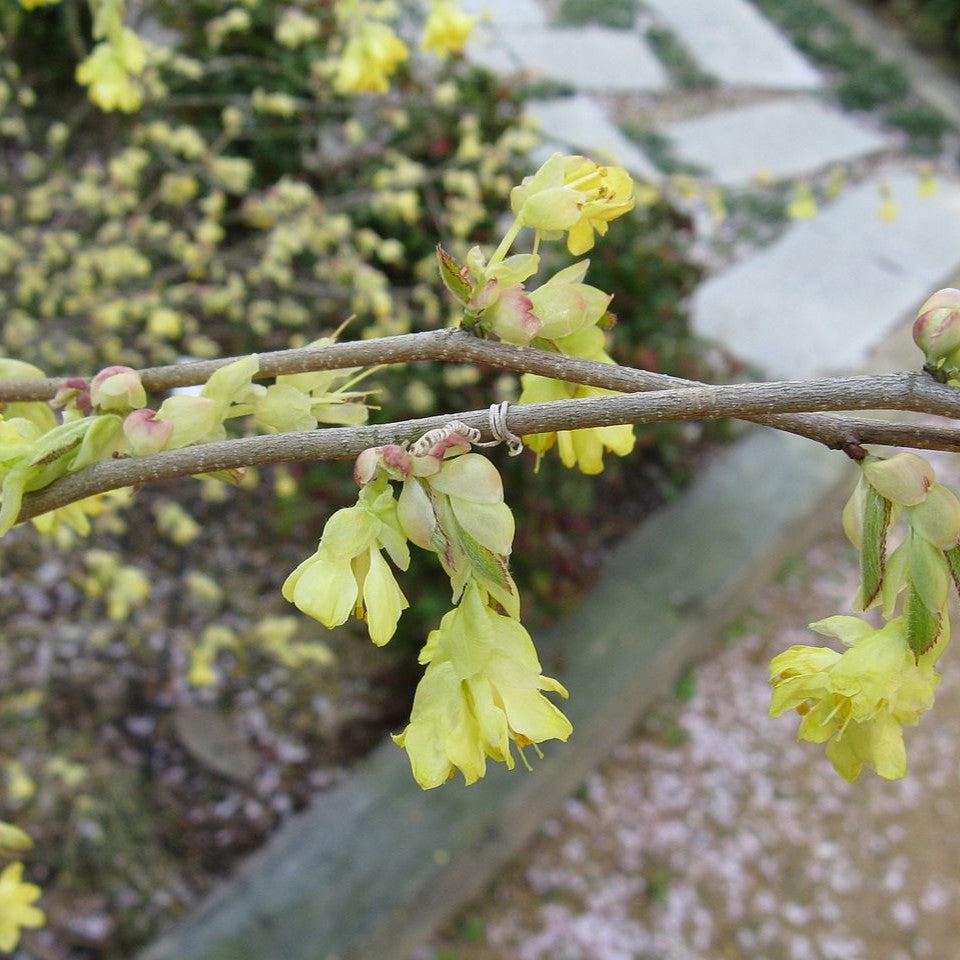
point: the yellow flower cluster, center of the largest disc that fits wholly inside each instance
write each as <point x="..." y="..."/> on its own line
<point x="481" y="695"/>
<point x="111" y="71"/>
<point x="576" y="198"/>
<point x="858" y="701"/>
<point x="369" y="59"/>
<point x="447" y="28"/>
<point x="482" y="692"/>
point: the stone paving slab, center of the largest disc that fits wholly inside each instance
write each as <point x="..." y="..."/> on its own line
<point x="783" y="138"/>
<point x="508" y="13"/>
<point x="582" y="123"/>
<point x="733" y="41"/>
<point x="590" y="58"/>
<point x="487" y="49"/>
<point x="823" y="295"/>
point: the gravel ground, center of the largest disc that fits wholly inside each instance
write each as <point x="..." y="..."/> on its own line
<point x="714" y="834"/>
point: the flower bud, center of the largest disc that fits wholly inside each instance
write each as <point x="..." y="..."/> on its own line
<point x="118" y="389"/>
<point x="72" y="390"/>
<point x="905" y="479"/>
<point x="392" y="459"/>
<point x="512" y="318"/>
<point x="145" y="433"/>
<point x="564" y="305"/>
<point x="936" y="331"/>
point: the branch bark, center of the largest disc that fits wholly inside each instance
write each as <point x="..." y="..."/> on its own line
<point x="459" y="346"/>
<point x="788" y="406"/>
<point x="750" y="401"/>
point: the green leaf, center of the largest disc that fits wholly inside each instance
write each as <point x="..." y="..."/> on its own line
<point x="876" y="523"/>
<point x="928" y="573"/>
<point x="923" y="625"/>
<point x="59" y="441"/>
<point x="491" y="570"/>
<point x="454" y="275"/>
<point x="953" y="563"/>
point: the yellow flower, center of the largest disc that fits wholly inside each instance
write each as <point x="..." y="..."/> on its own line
<point x="348" y="573"/>
<point x="857" y="701"/>
<point x="803" y="205"/>
<point x="481" y="693"/>
<point x="13" y="839"/>
<point x="109" y="71"/>
<point x="575" y="195"/>
<point x="584" y="448"/>
<point x="369" y="59"/>
<point x="16" y="907"/>
<point x="33" y="4"/>
<point x="447" y="29"/>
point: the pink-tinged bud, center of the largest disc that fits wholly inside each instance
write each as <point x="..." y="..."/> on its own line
<point x="485" y="297"/>
<point x="75" y="390"/>
<point x="512" y="318"/>
<point x="117" y="389"/>
<point x="145" y="433"/>
<point x="365" y="467"/>
<point x="936" y="331"/>
<point x="392" y="459"/>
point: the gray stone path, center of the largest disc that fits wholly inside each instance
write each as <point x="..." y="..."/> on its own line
<point x="824" y="294"/>
<point x="732" y="41"/>
<point x="508" y="13"/>
<point x="582" y="123"/>
<point x="589" y="58"/>
<point x="778" y="138"/>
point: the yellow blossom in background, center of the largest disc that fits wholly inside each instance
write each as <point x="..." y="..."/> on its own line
<point x="889" y="208"/>
<point x="836" y="182"/>
<point x="803" y="204"/>
<point x="13" y="839"/>
<point x="717" y="205"/>
<point x="16" y="907"/>
<point x="33" y="4"/>
<point x="296" y="28"/>
<point x="109" y="72"/>
<point x="928" y="186"/>
<point x="447" y="29"/>
<point x="369" y="59"/>
<point x="21" y="787"/>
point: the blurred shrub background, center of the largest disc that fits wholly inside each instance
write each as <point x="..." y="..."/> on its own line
<point x="247" y="207"/>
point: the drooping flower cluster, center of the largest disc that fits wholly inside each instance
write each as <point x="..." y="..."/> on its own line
<point x="858" y="701"/>
<point x="482" y="692"/>
<point x="572" y="197"/>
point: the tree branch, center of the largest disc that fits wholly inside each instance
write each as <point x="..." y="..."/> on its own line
<point x="460" y="346"/>
<point x="750" y="401"/>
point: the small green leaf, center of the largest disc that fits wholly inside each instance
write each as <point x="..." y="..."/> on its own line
<point x="928" y="573"/>
<point x="923" y="625"/>
<point x="59" y="441"/>
<point x="454" y="275"/>
<point x="491" y="569"/>
<point x="953" y="562"/>
<point x="876" y="522"/>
